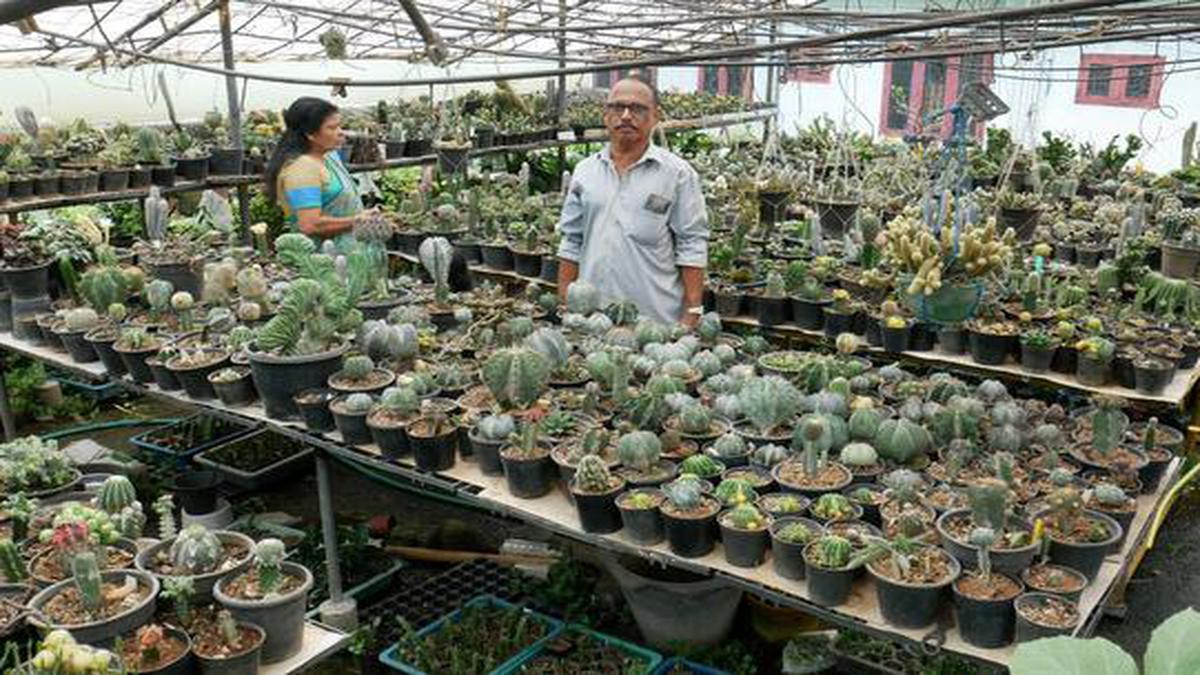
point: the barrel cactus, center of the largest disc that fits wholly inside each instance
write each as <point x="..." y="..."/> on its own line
<point x="639" y="450"/>
<point x="81" y="320"/>
<point x="734" y="491"/>
<point x="745" y="517"/>
<point x="768" y="402"/>
<point x="684" y="494"/>
<point x="695" y="419"/>
<point x="592" y="475"/>
<point x="769" y="454"/>
<point x="400" y="400"/>
<point x="382" y="341"/>
<point x="707" y="362"/>
<point x="1109" y="423"/>
<point x="582" y="297"/>
<point x="115" y="494"/>
<point x="357" y="404"/>
<point x="1107" y="494"/>
<point x="900" y="440"/>
<point x="550" y="344"/>
<point x="858" y="455"/>
<point x="196" y="551"/>
<point x="701" y="465"/>
<point x="516" y="377"/>
<point x="728" y="445"/>
<point x="709" y="327"/>
<point x="833" y="551"/>
<point x="357" y="368"/>
<point x="496" y="428"/>
<point x="864" y="423"/>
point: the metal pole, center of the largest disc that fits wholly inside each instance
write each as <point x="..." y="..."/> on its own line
<point x="235" y="110"/>
<point x="6" y="416"/>
<point x="328" y="527"/>
<point x="561" y="103"/>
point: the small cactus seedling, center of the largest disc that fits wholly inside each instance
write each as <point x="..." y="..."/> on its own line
<point x="268" y="561"/>
<point x="1109" y="496"/>
<point x="12" y="566"/>
<point x="81" y="320"/>
<point x="701" y="465"/>
<point x="592" y="476"/>
<point x="832" y="506"/>
<point x="795" y="533"/>
<point x="1065" y="506"/>
<point x="402" y="401"/>
<point x="196" y="550"/>
<point x="810" y="435"/>
<point x="181" y="591"/>
<point x="1150" y="435"/>
<point x="85" y="570"/>
<point x="684" y="494"/>
<point x="228" y="629"/>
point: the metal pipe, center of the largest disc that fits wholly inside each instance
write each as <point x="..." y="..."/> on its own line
<point x="333" y="568"/>
<point x="434" y="47"/>
<point x="235" y="111"/>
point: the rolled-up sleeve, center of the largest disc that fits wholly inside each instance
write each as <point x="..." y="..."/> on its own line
<point x="689" y="222"/>
<point x="570" y="225"/>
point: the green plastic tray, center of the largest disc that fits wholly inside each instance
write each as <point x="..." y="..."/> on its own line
<point x="650" y="658"/>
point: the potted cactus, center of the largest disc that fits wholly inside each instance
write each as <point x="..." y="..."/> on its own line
<point x="812" y="475"/>
<point x="433" y="436"/>
<point x="516" y="377"/>
<point x="76" y="324"/>
<point x="389" y="419"/>
<point x="1111" y="500"/>
<point x="860" y="459"/>
<point x="1044" y="577"/>
<point x="769" y="404"/>
<point x="595" y="489"/>
<point x="828" y="570"/>
<point x="697" y="422"/>
<point x="313" y="405"/>
<point x="595" y="441"/>
<point x="200" y="555"/>
<point x="910" y="579"/>
<point x="640" y="453"/>
<point x="689" y="517"/>
<point x="744" y="535"/>
<point x="773" y="304"/>
<point x="789" y="536"/>
<point x="702" y="466"/>
<point x="135" y="345"/>
<point x="894" y="332"/>
<point x="1013" y="547"/>
<point x="272" y="593"/>
<point x="1079" y="538"/>
<point x="640" y="515"/>
<point x="359" y="374"/>
<point x="233" y="385"/>
<point x="223" y="645"/>
<point x="156" y="648"/>
<point x="350" y="416"/>
<point x="95" y="606"/>
<point x="527" y="466"/>
<point x="488" y="435"/>
<point x="731" y="450"/>
<point x="1041" y="615"/>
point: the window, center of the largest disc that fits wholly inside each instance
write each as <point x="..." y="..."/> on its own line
<point x="916" y="92"/>
<point x="1121" y="80"/>
<point x="818" y="74"/>
<point x="726" y="80"/>
<point x="605" y="79"/>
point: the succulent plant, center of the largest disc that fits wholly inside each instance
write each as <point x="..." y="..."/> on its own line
<point x="516" y="377"/>
<point x="496" y="428"/>
<point x="639" y="450"/>
<point x="592" y="475"/>
<point x="768" y="402"/>
<point x="181" y="591"/>
<point x="196" y="550"/>
<point x="795" y="533"/>
<point x="12" y="565"/>
<point x="832" y="506"/>
<point x="683" y="494"/>
<point x="1109" y="495"/>
<point x="769" y="454"/>
<point x="728" y="445"/>
<point x="358" y="368"/>
<point x="745" y="516"/>
<point x="435" y="254"/>
<point x="116" y="493"/>
<point x="358" y="404"/>
<point x="900" y="440"/>
<point x="858" y="455"/>
<point x="81" y="319"/>
<point x="164" y="508"/>
<point x="983" y="538"/>
<point x="864" y="423"/>
<point x="833" y="551"/>
<point x="401" y="400"/>
<point x="268" y="561"/>
<point x="85" y="570"/>
<point x="593" y="442"/>
<point x="989" y="504"/>
<point x="734" y="491"/>
<point x="582" y="298"/>
<point x="1109" y="423"/>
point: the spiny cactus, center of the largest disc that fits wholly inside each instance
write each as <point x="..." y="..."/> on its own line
<point x="809" y="435"/>
<point x="85" y="570"/>
<point x="582" y="298"/>
<point x="1065" y="505"/>
<point x="775" y="287"/>
<point x="833" y="551"/>
<point x="592" y="475"/>
<point x="435" y="254"/>
<point x="496" y="427"/>
<point x="701" y="465"/>
<point x="358" y="404"/>
<point x="358" y="368"/>
<point x="734" y="491"/>
<point x="552" y="345"/>
<point x="158" y="296"/>
<point x="1109" y="495"/>
<point x="134" y="338"/>
<point x="196" y="550"/>
<point x="639" y="450"/>
<point x="181" y="591"/>
<point x="768" y="402"/>
<point x="593" y="442"/>
<point x="983" y="538"/>
<point x="116" y="493"/>
<point x="1108" y="425"/>
<point x="745" y="517"/>
<point x="858" y="455"/>
<point x="228" y="628"/>
<point x="728" y="445"/>
<point x="683" y="494"/>
<point x="12" y="566"/>
<point x="832" y="506"/>
<point x="164" y="508"/>
<point x="989" y="503"/>
<point x="400" y="400"/>
<point x="516" y="377"/>
<point x="769" y="454"/>
<point x="183" y="302"/>
<point x="695" y="419"/>
<point x="81" y="319"/>
<point x="1150" y="435"/>
<point x="268" y="561"/>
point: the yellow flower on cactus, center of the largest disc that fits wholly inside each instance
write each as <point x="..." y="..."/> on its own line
<point x="1039" y="529"/>
<point x="1024" y="317"/>
<point x="841" y="295"/>
<point x="895" y="322"/>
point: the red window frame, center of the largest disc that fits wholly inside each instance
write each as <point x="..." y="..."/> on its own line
<point x="1118" y="84"/>
<point x="747" y="91"/>
<point x="916" y="94"/>
<point x="814" y="74"/>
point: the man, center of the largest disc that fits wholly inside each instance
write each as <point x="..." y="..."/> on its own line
<point x="634" y="224"/>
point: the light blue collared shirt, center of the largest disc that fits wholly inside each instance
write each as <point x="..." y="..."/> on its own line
<point x="630" y="234"/>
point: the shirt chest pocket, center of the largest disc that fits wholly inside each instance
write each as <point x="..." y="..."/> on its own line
<point x="646" y="224"/>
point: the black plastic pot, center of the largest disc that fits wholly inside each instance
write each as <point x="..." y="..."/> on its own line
<point x="1065" y="360"/>
<point x="226" y="162"/>
<point x="497" y="256"/>
<point x="279" y="378"/>
<point x="527" y="264"/>
<point x="1151" y="474"/>
<point x="391" y="439"/>
<point x="196" y="491"/>
<point x="872" y="332"/>
<point x="27" y="283"/>
<point x="1088" y="256"/>
<point x="1007" y="561"/>
<point x="828" y="588"/>
<point x="71" y="183"/>
<point x="1065" y="252"/>
<point x="1027" y="630"/>
<point x="1087" y="558"/>
<point x="911" y="605"/>
<point x="114" y="180"/>
<point x="771" y="311"/>
<point x="729" y="303"/>
<point x="140" y="177"/>
<point x="549" y="272"/>
<point x="163" y="176"/>
<point x="744" y="548"/>
<point x="46" y="185"/>
<point x="690" y="537"/>
<point x="25" y="329"/>
<point x="643" y="526"/>
<point x="6" y="319"/>
<point x="316" y="413"/>
<point x="598" y="513"/>
<point x="487" y="454"/>
<point x="787" y="559"/>
<point x="20" y="187"/>
<point x="195" y="380"/>
<point x="922" y="336"/>
<point x="78" y="347"/>
<point x="1093" y="372"/>
<point x="1037" y="359"/>
<point x="1123" y="372"/>
<point x="528" y="478"/>
<point x="1073" y="596"/>
<point x="809" y="314"/>
<point x="895" y="340"/>
<point x="418" y="147"/>
<point x="1153" y="376"/>
<point x="191" y="168"/>
<point x="108" y="356"/>
<point x="837" y="323"/>
<point x="182" y="275"/>
<point x="989" y="350"/>
<point x="164" y="378"/>
<point x="410" y="242"/>
<point x="985" y="623"/>
<point x="434" y="453"/>
<point x="235" y="393"/>
<point x="772" y="207"/>
<point x="352" y="426"/>
<point x="469" y="250"/>
<point x="393" y="149"/>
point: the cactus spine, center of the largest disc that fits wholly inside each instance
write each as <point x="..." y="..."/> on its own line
<point x="196" y="550"/>
<point x="164" y="508"/>
<point x="592" y="475"/>
<point x="268" y="560"/>
<point x="115" y="494"/>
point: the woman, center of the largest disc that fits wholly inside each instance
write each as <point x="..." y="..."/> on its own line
<point x="306" y="176"/>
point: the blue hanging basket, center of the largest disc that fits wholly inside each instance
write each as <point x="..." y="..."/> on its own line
<point x="952" y="303"/>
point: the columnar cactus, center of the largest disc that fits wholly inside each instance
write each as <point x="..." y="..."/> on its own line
<point x="268" y="561"/>
<point x="196" y="550"/>
<point x="809" y="436"/>
<point x="516" y="377"/>
<point x="181" y="591"/>
<point x="593" y="442"/>
<point x="1108" y="425"/>
<point x="989" y="503"/>
<point x="228" y="627"/>
<point x="12" y="566"/>
<point x="116" y="493"/>
<point x="435" y="254"/>
<point x="164" y="508"/>
<point x="592" y="475"/>
<point x="639" y="450"/>
<point x="1150" y="435"/>
<point x="85" y="570"/>
<point x="983" y="538"/>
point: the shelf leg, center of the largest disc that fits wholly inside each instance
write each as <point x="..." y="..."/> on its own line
<point x="6" y="416"/>
<point x="338" y="611"/>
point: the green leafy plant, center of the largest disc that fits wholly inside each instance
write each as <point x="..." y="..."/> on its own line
<point x="1172" y="649"/>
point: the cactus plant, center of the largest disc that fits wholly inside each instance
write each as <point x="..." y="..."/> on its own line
<point x="496" y="427"/>
<point x="164" y="508"/>
<point x="832" y="551"/>
<point x="268" y="562"/>
<point x="832" y="506"/>
<point x="435" y="254"/>
<point x="900" y="440"/>
<point x="81" y="320"/>
<point x="401" y="401"/>
<point x="989" y="503"/>
<point x="769" y="454"/>
<point x="592" y="475"/>
<point x="701" y="465"/>
<point x="85" y="570"/>
<point x="683" y="494"/>
<point x="768" y="402"/>
<point x="858" y="455"/>
<point x="864" y="423"/>
<point x="728" y="445"/>
<point x="516" y="377"/>
<point x="116" y="493"/>
<point x="1109" y="495"/>
<point x="1150" y="434"/>
<point x="582" y="298"/>
<point x="181" y="591"/>
<point x="552" y="345"/>
<point x="12" y="566"/>
<point x="983" y="538"/>
<point x="745" y="516"/>
<point x="196" y="550"/>
<point x="357" y="404"/>
<point x="357" y="368"/>
<point x="1109" y="423"/>
<point x="734" y="491"/>
<point x="639" y="450"/>
<point x="592" y="443"/>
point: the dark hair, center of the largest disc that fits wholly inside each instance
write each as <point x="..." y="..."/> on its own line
<point x="303" y="117"/>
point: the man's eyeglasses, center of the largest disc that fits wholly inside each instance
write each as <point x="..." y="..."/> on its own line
<point x="635" y="109"/>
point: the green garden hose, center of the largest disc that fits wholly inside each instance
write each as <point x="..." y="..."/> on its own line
<point x="111" y="424"/>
